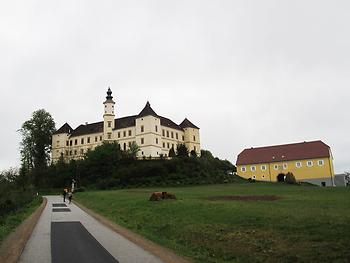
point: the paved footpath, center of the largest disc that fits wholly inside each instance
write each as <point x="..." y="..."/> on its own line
<point x="65" y="233"/>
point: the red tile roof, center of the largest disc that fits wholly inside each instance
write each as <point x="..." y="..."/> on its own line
<point x="286" y="152"/>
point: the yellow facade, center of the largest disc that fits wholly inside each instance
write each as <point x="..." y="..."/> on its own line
<point x="303" y="170"/>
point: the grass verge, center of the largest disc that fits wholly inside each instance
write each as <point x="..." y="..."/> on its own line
<point x="306" y="224"/>
<point x="9" y="222"/>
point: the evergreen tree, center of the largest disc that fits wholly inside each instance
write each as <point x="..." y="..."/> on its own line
<point x="172" y="152"/>
<point x="182" y="150"/>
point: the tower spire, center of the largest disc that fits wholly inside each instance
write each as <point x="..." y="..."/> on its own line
<point x="109" y="94"/>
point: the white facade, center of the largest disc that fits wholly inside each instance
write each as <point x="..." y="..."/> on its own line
<point x="154" y="134"/>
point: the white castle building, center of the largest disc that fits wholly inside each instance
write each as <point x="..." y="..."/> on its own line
<point x="154" y="134"/>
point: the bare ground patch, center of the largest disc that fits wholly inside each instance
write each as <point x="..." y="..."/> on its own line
<point x="244" y="198"/>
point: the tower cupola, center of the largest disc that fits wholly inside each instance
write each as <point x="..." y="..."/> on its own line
<point x="108" y="116"/>
<point x="109" y="97"/>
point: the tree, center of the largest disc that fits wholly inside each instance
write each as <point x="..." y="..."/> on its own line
<point x="172" y="152"/>
<point x="194" y="154"/>
<point x="182" y="150"/>
<point x="206" y="154"/>
<point x="36" y="141"/>
<point x="133" y="150"/>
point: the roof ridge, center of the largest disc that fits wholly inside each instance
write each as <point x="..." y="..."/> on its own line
<point x="287" y="144"/>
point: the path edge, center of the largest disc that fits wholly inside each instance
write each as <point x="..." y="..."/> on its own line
<point x="165" y="254"/>
<point x="13" y="245"/>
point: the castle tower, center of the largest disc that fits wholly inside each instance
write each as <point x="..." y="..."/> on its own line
<point x="108" y="116"/>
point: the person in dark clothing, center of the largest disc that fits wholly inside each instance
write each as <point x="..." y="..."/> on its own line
<point x="64" y="194"/>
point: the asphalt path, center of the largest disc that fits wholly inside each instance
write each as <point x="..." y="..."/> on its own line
<point x="71" y="242"/>
<point x="66" y="234"/>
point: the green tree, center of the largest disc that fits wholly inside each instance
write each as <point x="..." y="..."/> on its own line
<point x="182" y="150"/>
<point x="36" y="141"/>
<point x="172" y="152"/>
<point x="133" y="150"/>
<point x="194" y="154"/>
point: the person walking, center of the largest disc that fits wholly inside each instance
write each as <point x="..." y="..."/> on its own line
<point x="70" y="197"/>
<point x="64" y="194"/>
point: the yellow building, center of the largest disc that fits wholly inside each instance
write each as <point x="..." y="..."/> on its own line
<point x="154" y="134"/>
<point x="308" y="161"/>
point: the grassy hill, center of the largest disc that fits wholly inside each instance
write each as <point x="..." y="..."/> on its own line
<point x="207" y="224"/>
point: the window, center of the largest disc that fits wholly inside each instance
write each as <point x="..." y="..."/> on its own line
<point x="67" y="143"/>
<point x="263" y="176"/>
<point x="285" y="166"/>
<point x="124" y="133"/>
<point x="163" y="132"/>
<point x="263" y="168"/>
<point x="156" y="140"/>
<point x="142" y="128"/>
<point x="129" y="144"/>
<point x="176" y="136"/>
<point x="75" y="141"/>
<point x="100" y="138"/>
<point x="109" y="135"/>
<point x="75" y="152"/>
<point x="163" y="144"/>
<point x="298" y="164"/>
<point x="275" y="167"/>
<point x="254" y="177"/>
<point x="167" y="134"/>
<point x="66" y="152"/>
<point x="243" y="169"/>
<point x="70" y="152"/>
<point x="183" y="138"/>
<point x="109" y="124"/>
<point x="194" y="148"/>
<point x="168" y="146"/>
<point x="253" y="168"/>
<point x="129" y="132"/>
<point x="81" y="151"/>
<point x="58" y="143"/>
<point x="124" y="147"/>
<point x="194" y="138"/>
<point x="95" y="138"/>
<point x="88" y="140"/>
<point x="82" y="141"/>
<point x="320" y="162"/>
<point x="173" y="146"/>
<point x="309" y="163"/>
<point x="142" y="140"/>
<point x="156" y="128"/>
<point x="118" y="134"/>
<point x="172" y="135"/>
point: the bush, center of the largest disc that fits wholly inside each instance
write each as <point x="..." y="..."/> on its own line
<point x="290" y="179"/>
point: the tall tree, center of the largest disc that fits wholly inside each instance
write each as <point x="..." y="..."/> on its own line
<point x="133" y="150"/>
<point x="182" y="150"/>
<point x="36" y="140"/>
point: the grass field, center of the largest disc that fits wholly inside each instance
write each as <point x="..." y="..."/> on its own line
<point x="307" y="224"/>
<point x="9" y="222"/>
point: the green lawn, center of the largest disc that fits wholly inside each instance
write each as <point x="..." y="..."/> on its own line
<point x="9" y="222"/>
<point x="308" y="224"/>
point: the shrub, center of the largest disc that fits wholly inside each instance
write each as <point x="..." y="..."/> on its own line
<point x="290" y="179"/>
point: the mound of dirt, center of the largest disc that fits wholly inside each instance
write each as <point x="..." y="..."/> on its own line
<point x="244" y="198"/>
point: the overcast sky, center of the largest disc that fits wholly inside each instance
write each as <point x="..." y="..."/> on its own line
<point x="248" y="73"/>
